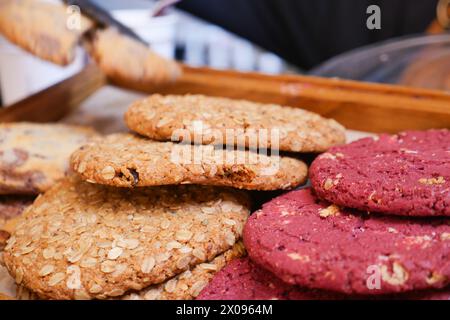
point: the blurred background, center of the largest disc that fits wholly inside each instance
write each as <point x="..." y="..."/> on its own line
<point x="323" y="37"/>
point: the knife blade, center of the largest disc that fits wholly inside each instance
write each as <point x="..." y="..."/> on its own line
<point x="103" y="17"/>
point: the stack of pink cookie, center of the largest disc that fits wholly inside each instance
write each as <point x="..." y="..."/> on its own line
<point x="375" y="224"/>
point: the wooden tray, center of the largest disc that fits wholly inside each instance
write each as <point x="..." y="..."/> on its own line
<point x="359" y="106"/>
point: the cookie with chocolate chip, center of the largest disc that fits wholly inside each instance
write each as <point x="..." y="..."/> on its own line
<point x="126" y="160"/>
<point x="317" y="245"/>
<point x="35" y="156"/>
<point x="84" y="241"/>
<point x="404" y="174"/>
<point x="224" y="121"/>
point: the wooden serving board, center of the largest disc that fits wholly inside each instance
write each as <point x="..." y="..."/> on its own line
<point x="357" y="105"/>
<point x="56" y="101"/>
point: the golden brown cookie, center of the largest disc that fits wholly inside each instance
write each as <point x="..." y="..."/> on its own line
<point x="86" y="241"/>
<point x="232" y="122"/>
<point x="185" y="286"/>
<point x="126" y="160"/>
<point x="34" y="156"/>
<point x="130" y="63"/>
<point x="43" y="28"/>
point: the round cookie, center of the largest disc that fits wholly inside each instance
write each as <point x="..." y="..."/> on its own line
<point x="405" y="174"/>
<point x="34" y="156"/>
<point x="232" y="122"/>
<point x="317" y="245"/>
<point x="241" y="279"/>
<point x="85" y="241"/>
<point x="184" y="286"/>
<point x="126" y="160"/>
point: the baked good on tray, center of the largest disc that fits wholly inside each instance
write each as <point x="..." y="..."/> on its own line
<point x="42" y="28"/>
<point x="86" y="241"/>
<point x="233" y="122"/>
<point x="318" y="245"/>
<point x="127" y="160"/>
<point x="129" y="63"/>
<point x="404" y="174"/>
<point x="35" y="156"/>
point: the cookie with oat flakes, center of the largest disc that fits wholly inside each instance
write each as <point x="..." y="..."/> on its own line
<point x="316" y="245"/>
<point x="35" y="156"/>
<point x="404" y="174"/>
<point x="184" y="286"/>
<point x="126" y="160"/>
<point x="42" y="28"/>
<point x="86" y="241"/>
<point x="189" y="284"/>
<point x="232" y="122"/>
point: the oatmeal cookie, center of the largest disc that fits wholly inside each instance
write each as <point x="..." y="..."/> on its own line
<point x="232" y="122"/>
<point x="126" y="160"/>
<point x="86" y="241"/>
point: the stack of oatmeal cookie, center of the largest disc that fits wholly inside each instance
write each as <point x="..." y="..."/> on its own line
<point x="147" y="216"/>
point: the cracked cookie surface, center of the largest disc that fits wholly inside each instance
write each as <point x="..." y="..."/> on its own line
<point x="86" y="241"/>
<point x="232" y="122"/>
<point x="403" y="174"/>
<point x="126" y="160"/>
<point x="317" y="245"/>
<point x="33" y="157"/>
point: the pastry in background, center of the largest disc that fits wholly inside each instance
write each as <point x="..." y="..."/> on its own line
<point x="33" y="157"/>
<point x="129" y="63"/>
<point x="42" y="28"/>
